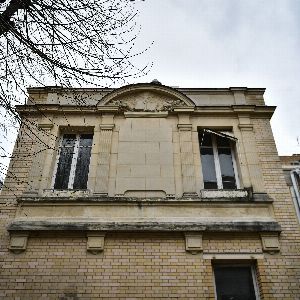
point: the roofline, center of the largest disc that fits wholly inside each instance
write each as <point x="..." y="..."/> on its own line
<point x="183" y="90"/>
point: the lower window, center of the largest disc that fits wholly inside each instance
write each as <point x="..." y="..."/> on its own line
<point x="72" y="167"/>
<point x="235" y="282"/>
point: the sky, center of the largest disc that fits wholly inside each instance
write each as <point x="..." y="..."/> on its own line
<point x="224" y="43"/>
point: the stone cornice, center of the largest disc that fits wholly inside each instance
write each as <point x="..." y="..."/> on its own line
<point x="86" y="225"/>
<point x="253" y="110"/>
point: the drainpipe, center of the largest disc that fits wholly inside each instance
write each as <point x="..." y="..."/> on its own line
<point x="293" y="174"/>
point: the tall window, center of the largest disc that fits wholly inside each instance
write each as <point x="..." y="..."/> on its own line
<point x="72" y="168"/>
<point x="235" y="283"/>
<point x="218" y="162"/>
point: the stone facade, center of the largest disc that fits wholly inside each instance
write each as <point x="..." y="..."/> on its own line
<point x="146" y="227"/>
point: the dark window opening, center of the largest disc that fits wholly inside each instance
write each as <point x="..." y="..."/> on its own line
<point x="73" y="163"/>
<point x="234" y="283"/>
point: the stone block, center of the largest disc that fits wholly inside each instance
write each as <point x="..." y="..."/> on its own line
<point x="129" y="183"/>
<point x="152" y="158"/>
<point x="131" y="158"/>
<point x="18" y="242"/>
<point x="145" y="171"/>
<point x="270" y="242"/>
<point x="167" y="171"/>
<point x="164" y="184"/>
<point x="123" y="171"/>
<point x="95" y="242"/>
<point x="166" y="147"/>
<point x="193" y="242"/>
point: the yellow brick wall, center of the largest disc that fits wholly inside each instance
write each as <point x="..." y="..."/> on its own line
<point x="279" y="274"/>
<point x="133" y="266"/>
<point x="144" y="266"/>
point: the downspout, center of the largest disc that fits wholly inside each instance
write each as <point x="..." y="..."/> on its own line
<point x="296" y="199"/>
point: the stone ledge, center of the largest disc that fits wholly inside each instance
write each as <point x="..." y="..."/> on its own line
<point x="104" y="199"/>
<point x="225" y="194"/>
<point x="58" y="225"/>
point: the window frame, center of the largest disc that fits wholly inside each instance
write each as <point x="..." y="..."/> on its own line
<point x="234" y="265"/>
<point x="74" y="160"/>
<point x="217" y="160"/>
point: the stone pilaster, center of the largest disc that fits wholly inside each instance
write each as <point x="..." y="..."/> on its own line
<point x="254" y="173"/>
<point x="42" y="146"/>
<point x="187" y="159"/>
<point x="101" y="186"/>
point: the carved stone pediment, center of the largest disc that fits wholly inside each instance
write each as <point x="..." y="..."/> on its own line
<point x="146" y="101"/>
<point x="146" y="98"/>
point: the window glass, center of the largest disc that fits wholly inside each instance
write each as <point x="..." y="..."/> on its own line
<point x="217" y="161"/>
<point x="208" y="168"/>
<point x="227" y="171"/>
<point x="234" y="283"/>
<point x="65" y="161"/>
<point x="83" y="162"/>
<point x="73" y="163"/>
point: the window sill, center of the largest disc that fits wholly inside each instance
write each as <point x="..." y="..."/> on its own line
<point x="66" y="193"/>
<point x="225" y="194"/>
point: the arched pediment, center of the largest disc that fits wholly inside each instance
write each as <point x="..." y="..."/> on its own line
<point x="146" y="97"/>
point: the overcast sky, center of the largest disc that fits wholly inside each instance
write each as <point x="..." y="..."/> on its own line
<point x="223" y="43"/>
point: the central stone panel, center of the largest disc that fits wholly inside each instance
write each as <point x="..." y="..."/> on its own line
<point x="145" y="166"/>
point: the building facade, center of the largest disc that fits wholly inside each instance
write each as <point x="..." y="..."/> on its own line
<point x="291" y="170"/>
<point x="147" y="192"/>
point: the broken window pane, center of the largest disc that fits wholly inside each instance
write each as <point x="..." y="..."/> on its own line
<point x="234" y="283"/>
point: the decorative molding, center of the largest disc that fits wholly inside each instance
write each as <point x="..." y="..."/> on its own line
<point x="184" y="109"/>
<point x="146" y="102"/>
<point x="107" y="126"/>
<point x="146" y="90"/>
<point x="193" y="242"/>
<point x="95" y="242"/>
<point x="270" y="242"/>
<point x="142" y="114"/>
<point x="18" y="242"/>
<point x="185" y="127"/>
<point x="45" y="126"/>
<point x="246" y="127"/>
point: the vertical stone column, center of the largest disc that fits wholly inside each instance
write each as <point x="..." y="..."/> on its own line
<point x="102" y="174"/>
<point x="49" y="157"/>
<point x="186" y="156"/>
<point x="250" y="150"/>
<point x="35" y="176"/>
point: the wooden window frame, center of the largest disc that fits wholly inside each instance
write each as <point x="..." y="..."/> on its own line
<point x="217" y="160"/>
